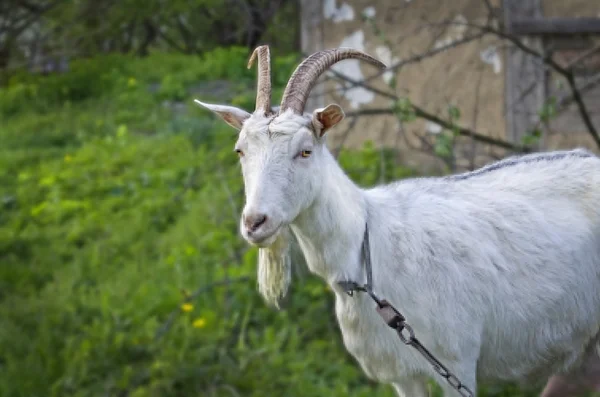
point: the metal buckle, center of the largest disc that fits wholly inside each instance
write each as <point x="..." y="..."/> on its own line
<point x="350" y="287"/>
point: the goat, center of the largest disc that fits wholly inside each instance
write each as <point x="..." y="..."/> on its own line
<point x="497" y="270"/>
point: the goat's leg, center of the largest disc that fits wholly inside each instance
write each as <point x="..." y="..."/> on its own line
<point x="586" y="378"/>
<point x="562" y="386"/>
<point x="412" y="387"/>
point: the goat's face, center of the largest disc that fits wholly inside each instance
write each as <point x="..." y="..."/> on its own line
<point x="282" y="152"/>
<point x="282" y="158"/>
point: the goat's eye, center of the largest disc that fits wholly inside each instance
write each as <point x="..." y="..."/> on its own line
<point x="306" y="153"/>
<point x="239" y="152"/>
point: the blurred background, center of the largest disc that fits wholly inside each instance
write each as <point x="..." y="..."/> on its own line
<point x="122" y="272"/>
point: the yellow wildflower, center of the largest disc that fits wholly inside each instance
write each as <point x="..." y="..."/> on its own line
<point x="199" y="323"/>
<point x="187" y="307"/>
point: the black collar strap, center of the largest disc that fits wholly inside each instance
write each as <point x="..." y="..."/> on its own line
<point x="350" y="287"/>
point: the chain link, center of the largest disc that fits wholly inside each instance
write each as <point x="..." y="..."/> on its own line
<point x="396" y="320"/>
<point x="442" y="370"/>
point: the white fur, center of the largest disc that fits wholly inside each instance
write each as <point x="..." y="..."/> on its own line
<point x="497" y="271"/>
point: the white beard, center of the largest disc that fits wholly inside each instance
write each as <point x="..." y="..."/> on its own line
<point x="275" y="269"/>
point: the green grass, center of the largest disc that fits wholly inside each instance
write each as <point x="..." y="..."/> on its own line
<point x="122" y="272"/>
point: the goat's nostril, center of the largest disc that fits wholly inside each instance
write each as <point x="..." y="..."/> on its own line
<point x="262" y="219"/>
<point x="253" y="222"/>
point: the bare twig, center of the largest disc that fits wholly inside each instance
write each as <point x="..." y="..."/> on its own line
<point x="420" y="57"/>
<point x="16" y="29"/>
<point x="338" y="149"/>
<point x="585" y="115"/>
<point x="425" y="147"/>
<point x="489" y="8"/>
<point x="592" y="82"/>
<point x="362" y="84"/>
<point x="583" y="56"/>
<point x="414" y="59"/>
<point x="170" y="41"/>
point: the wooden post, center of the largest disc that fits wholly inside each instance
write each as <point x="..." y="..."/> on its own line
<point x="555" y="26"/>
<point x="525" y="74"/>
<point x="311" y="37"/>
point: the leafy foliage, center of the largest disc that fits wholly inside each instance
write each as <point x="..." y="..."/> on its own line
<point x="124" y="77"/>
<point x="44" y="34"/>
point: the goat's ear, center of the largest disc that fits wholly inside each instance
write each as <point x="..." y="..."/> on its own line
<point x="233" y="116"/>
<point x="326" y="118"/>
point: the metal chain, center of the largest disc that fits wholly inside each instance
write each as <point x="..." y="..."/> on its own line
<point x="396" y="320"/>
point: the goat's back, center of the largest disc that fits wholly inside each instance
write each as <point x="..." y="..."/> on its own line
<point x="509" y="254"/>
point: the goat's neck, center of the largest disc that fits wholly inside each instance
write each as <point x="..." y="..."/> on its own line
<point x="330" y="231"/>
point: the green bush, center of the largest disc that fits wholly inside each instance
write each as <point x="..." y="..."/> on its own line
<point x="86" y="79"/>
<point x="110" y="76"/>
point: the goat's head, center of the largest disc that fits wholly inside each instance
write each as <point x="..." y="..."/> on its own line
<point x="281" y="152"/>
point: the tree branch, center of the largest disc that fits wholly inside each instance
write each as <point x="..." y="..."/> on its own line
<point x="583" y="56"/>
<point x="588" y="85"/>
<point x="566" y="72"/>
<point x="585" y="115"/>
<point x="420" y="112"/>
<point x="170" y="41"/>
<point x="415" y="59"/>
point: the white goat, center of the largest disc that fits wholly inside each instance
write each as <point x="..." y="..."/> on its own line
<point x="496" y="270"/>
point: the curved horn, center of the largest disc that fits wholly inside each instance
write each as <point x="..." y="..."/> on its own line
<point x="306" y="74"/>
<point x="263" y="89"/>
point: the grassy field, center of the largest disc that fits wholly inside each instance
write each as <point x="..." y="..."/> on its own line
<point x="122" y="272"/>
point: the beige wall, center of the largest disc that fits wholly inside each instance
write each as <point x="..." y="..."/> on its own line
<point x="471" y="77"/>
<point x="571" y="8"/>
